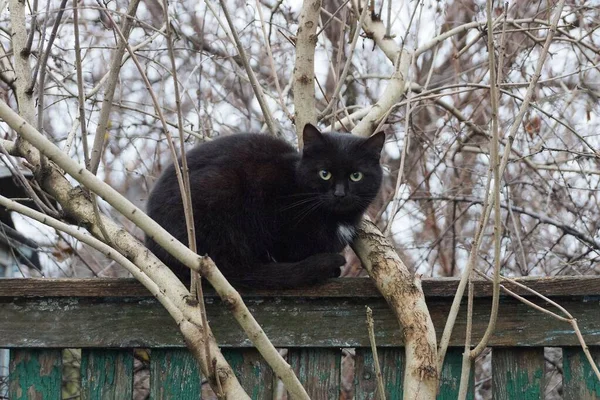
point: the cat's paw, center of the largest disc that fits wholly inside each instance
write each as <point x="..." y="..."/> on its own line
<point x="328" y="265"/>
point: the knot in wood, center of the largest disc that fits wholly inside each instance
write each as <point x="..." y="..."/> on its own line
<point x="191" y="301"/>
<point x="304" y="79"/>
<point x="230" y="302"/>
<point x="428" y="372"/>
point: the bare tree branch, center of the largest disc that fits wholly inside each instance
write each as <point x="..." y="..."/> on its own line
<point x="255" y="85"/>
<point x="109" y="93"/>
<point x="304" y="67"/>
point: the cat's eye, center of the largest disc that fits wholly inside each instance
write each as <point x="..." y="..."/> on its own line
<point x="325" y="175"/>
<point x="356" y="176"/>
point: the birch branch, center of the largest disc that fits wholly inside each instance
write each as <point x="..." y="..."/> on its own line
<point x="304" y="67"/>
<point x="404" y="294"/>
<point x="72" y="201"/>
<point x="395" y="88"/>
<point x="160" y="285"/>
<point x="21" y="60"/>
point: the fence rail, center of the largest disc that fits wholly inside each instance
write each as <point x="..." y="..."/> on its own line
<point x="108" y="318"/>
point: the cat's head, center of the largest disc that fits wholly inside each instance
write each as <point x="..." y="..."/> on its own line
<point x="341" y="171"/>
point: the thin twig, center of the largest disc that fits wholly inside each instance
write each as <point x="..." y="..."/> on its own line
<point x="371" y="328"/>
<point x="80" y="90"/>
<point x="188" y="207"/>
<point x="32" y="28"/>
<point x="331" y="17"/>
<point x="487" y="209"/>
<point x="495" y="167"/>
<point x="258" y="91"/>
<point x="113" y="77"/>
<point x="43" y="62"/>
<point x="465" y="372"/>
<point x="569" y="318"/>
<point x="25" y="184"/>
<point x="342" y="78"/>
<point x="272" y="61"/>
<point x="388" y="28"/>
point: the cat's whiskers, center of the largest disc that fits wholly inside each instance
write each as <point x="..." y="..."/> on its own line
<point x="309" y="209"/>
<point x="298" y="203"/>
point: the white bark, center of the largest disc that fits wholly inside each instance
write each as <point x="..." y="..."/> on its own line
<point x="395" y="88"/>
<point x="404" y="294"/>
<point x="304" y="67"/>
<point x="160" y="282"/>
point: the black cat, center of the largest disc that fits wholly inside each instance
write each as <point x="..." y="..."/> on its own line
<point x="268" y="216"/>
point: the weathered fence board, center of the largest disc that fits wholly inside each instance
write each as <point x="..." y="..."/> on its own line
<point x="450" y="378"/>
<point x="518" y="373"/>
<point x="579" y="381"/>
<point x="174" y="375"/>
<point x="318" y="370"/>
<point x="360" y="287"/>
<point x="34" y="374"/>
<point x="108" y="318"/>
<point x="106" y="374"/>
<point x="253" y="372"/>
<point x="93" y="321"/>
<point x="392" y="366"/>
<point x="391" y="362"/>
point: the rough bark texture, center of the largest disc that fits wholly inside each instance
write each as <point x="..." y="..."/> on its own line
<point x="304" y="70"/>
<point x="404" y="294"/>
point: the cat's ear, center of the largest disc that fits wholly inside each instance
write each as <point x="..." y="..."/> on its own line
<point x="311" y="134"/>
<point x="374" y="144"/>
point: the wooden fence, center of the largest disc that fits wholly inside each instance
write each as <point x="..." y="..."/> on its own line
<point x="108" y="318"/>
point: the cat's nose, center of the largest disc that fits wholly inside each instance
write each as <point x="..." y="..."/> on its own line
<point x="340" y="191"/>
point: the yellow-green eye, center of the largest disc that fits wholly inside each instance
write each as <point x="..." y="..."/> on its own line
<point x="325" y="175"/>
<point x="356" y="176"/>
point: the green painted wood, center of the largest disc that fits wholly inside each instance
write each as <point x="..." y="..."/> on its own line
<point x="392" y="365"/>
<point x="174" y="375"/>
<point x="579" y="380"/>
<point x="450" y="377"/>
<point x="319" y="322"/>
<point x="106" y="374"/>
<point x="391" y="361"/>
<point x="253" y="372"/>
<point x="518" y="373"/>
<point x="318" y="370"/>
<point x="34" y="374"/>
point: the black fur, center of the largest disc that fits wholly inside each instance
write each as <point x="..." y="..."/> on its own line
<point x="263" y="212"/>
